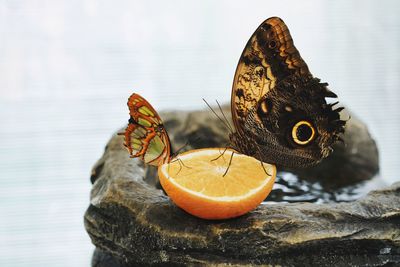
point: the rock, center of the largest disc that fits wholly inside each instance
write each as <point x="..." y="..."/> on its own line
<point x="130" y="218"/>
<point x="105" y="259"/>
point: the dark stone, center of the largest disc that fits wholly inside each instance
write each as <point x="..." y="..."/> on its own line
<point x="133" y="223"/>
<point x="105" y="259"/>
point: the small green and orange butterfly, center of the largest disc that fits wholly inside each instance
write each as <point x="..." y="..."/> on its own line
<point x="145" y="136"/>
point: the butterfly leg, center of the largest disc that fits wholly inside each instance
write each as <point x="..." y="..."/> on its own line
<point x="181" y="162"/>
<point x="223" y="152"/>
<point x="173" y="162"/>
<point x="229" y="165"/>
<point x="262" y="165"/>
<point x="180" y="165"/>
<point x="180" y="149"/>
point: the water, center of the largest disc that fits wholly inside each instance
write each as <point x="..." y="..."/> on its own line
<point x="289" y="188"/>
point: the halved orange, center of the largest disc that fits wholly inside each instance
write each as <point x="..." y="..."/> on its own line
<point x="195" y="182"/>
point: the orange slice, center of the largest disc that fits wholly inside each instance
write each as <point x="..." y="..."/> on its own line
<point x="195" y="182"/>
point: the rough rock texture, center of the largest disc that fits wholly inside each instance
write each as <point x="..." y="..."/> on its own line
<point x="133" y="223"/>
<point x="105" y="259"/>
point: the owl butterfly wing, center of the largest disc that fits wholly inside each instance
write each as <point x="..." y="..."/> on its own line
<point x="268" y="58"/>
<point x="278" y="107"/>
<point x="145" y="136"/>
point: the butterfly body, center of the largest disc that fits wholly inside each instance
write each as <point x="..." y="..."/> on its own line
<point x="278" y="108"/>
<point x="145" y="136"/>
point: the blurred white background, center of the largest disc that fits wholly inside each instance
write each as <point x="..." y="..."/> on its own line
<point x="67" y="68"/>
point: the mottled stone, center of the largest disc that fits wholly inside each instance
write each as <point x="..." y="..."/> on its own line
<point x="105" y="259"/>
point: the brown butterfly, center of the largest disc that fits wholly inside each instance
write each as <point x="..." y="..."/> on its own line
<point x="278" y="108"/>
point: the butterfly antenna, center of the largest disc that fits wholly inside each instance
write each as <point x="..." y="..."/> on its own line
<point x="181" y="148"/>
<point x="223" y="114"/>
<point x="188" y="142"/>
<point x="223" y="122"/>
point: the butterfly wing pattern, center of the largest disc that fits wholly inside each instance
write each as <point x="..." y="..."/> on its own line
<point x="145" y="136"/>
<point x="278" y="108"/>
<point x="268" y="57"/>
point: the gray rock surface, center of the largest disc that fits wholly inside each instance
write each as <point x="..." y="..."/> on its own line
<point x="133" y="223"/>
